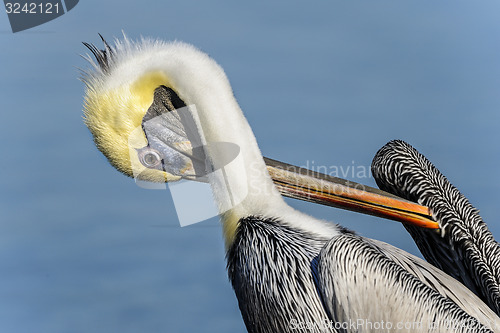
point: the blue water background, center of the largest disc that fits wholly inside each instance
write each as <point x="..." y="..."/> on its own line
<point x="83" y="249"/>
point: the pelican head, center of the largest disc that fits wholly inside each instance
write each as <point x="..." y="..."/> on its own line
<point x="133" y="96"/>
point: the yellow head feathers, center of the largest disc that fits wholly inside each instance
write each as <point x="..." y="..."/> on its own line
<point x="114" y="110"/>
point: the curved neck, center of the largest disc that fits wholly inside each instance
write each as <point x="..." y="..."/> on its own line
<point x="236" y="170"/>
<point x="242" y="186"/>
<point x="237" y="173"/>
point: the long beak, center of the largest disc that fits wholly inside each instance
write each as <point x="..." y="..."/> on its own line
<point x="307" y="185"/>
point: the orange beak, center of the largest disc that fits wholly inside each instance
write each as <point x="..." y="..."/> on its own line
<point x="307" y="185"/>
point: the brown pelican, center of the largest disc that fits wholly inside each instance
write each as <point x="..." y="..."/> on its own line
<point x="290" y="272"/>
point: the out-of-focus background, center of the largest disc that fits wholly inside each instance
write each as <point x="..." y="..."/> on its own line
<point x="83" y="249"/>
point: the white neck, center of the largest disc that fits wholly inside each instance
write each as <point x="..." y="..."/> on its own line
<point x="242" y="187"/>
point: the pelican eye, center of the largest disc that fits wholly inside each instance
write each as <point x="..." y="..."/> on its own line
<point x="150" y="158"/>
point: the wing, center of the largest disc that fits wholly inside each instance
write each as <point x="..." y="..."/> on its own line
<point x="371" y="283"/>
<point x="464" y="248"/>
